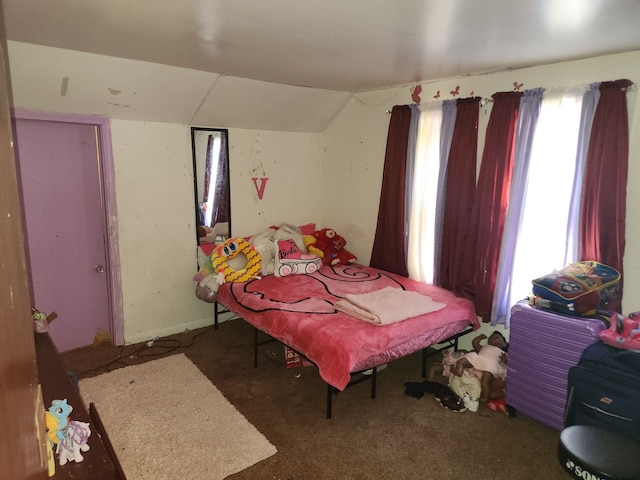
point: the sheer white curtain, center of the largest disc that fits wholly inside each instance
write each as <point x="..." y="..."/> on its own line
<point x="541" y="244"/>
<point x="426" y="169"/>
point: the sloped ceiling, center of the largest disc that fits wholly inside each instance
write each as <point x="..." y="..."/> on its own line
<point x="58" y="80"/>
<point x="221" y="58"/>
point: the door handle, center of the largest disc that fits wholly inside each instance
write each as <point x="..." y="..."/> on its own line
<point x="99" y="268"/>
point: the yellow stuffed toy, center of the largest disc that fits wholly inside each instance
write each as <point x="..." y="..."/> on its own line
<point x="310" y="243"/>
<point x="235" y="260"/>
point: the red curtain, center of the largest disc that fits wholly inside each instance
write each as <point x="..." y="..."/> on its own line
<point x="388" y="246"/>
<point x="459" y="197"/>
<point x="492" y="199"/>
<point x="603" y="207"/>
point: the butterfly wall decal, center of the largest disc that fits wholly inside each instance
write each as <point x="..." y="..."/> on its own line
<point x="415" y="94"/>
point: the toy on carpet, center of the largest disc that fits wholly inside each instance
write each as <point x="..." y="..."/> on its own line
<point x="332" y="247"/>
<point x="235" y="260"/>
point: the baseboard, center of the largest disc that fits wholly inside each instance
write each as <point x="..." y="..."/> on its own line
<point x="178" y="328"/>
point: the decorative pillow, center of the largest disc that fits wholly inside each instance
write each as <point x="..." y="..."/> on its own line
<point x="290" y="259"/>
<point x="580" y="288"/>
<point x="307" y="229"/>
<point x="237" y="260"/>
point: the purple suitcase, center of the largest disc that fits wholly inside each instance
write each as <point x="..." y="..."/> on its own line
<point x="543" y="346"/>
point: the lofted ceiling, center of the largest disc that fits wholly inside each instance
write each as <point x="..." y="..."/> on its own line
<point x="343" y="45"/>
<point x="293" y="64"/>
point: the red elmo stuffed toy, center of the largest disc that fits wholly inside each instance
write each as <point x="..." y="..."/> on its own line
<point x="332" y="246"/>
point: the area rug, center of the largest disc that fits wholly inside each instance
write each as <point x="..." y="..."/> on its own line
<point x="165" y="419"/>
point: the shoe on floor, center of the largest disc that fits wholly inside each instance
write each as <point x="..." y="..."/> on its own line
<point x="499" y="405"/>
<point x="417" y="390"/>
<point x="472" y="404"/>
<point x="442" y="391"/>
<point x="453" y="402"/>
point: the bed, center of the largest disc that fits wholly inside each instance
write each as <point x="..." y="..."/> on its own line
<point x="299" y="311"/>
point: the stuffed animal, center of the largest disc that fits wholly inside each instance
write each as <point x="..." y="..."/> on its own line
<point x="57" y="419"/>
<point x="266" y="243"/>
<point x="235" y="260"/>
<point x="332" y="246"/>
<point x="623" y="332"/>
<point x="207" y="279"/>
<point x="52" y="424"/>
<point x="310" y="244"/>
<point x="76" y="436"/>
<point x="263" y="243"/>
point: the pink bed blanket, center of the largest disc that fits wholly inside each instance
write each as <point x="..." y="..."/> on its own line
<point x="299" y="311"/>
<point x="387" y="305"/>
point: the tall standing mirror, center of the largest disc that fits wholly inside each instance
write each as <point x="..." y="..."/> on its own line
<point x="211" y="182"/>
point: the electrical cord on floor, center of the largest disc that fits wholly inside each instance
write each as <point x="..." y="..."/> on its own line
<point x="153" y="348"/>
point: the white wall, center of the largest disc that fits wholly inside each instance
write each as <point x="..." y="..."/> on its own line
<point x="294" y="190"/>
<point x="155" y="200"/>
<point x="332" y="178"/>
<point x="355" y="144"/>
<point x="151" y="107"/>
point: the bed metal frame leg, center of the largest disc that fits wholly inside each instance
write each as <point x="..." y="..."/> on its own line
<point x="374" y="381"/>
<point x="331" y="390"/>
<point x="425" y="354"/>
<point x="255" y="347"/>
<point x="360" y="376"/>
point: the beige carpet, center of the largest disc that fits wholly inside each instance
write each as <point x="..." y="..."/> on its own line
<point x="166" y="420"/>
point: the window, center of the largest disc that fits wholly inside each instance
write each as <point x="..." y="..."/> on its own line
<point x="551" y="190"/>
<point x="542" y="222"/>
<point x="422" y="212"/>
<point x="541" y="235"/>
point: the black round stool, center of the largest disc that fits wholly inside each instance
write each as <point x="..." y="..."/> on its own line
<point x="594" y="453"/>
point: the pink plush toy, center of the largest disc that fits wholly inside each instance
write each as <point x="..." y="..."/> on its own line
<point x="624" y="332"/>
<point x="332" y="246"/>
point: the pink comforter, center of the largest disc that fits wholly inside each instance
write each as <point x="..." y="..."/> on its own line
<point x="298" y="310"/>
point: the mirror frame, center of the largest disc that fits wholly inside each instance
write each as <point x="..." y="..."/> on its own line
<point x="199" y="164"/>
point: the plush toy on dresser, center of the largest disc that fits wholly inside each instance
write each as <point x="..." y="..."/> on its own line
<point x="332" y="246"/>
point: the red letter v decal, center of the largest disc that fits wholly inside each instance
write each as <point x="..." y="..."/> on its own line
<point x="263" y="184"/>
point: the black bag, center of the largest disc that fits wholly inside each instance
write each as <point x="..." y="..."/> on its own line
<point x="604" y="390"/>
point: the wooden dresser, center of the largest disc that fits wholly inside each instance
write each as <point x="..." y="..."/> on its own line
<point x="100" y="462"/>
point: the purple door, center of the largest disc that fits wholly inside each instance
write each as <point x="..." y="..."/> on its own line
<point x="65" y="228"/>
